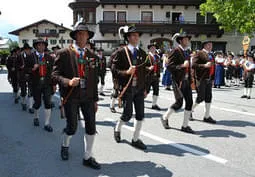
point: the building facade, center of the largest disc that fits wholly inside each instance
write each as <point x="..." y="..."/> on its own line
<point x="4" y="43"/>
<point x="55" y="34"/>
<point x="159" y="20"/>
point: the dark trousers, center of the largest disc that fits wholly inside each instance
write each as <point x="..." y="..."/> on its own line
<point x="40" y="92"/>
<point x="182" y="91"/>
<point x="136" y="96"/>
<point x="72" y="111"/>
<point x="14" y="81"/>
<point x="154" y="83"/>
<point x="248" y="82"/>
<point x="102" y="80"/>
<point x="26" y="86"/>
<point x="204" y="91"/>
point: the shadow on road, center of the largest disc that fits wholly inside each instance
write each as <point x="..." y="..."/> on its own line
<point x="220" y="133"/>
<point x="235" y="123"/>
<point x="134" y="168"/>
<point x="171" y="150"/>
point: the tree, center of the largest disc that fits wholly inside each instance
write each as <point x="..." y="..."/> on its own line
<point x="232" y="14"/>
<point x="13" y="45"/>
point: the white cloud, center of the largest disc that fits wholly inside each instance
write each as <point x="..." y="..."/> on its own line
<point x="20" y="13"/>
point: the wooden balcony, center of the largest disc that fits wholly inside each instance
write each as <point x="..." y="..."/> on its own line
<point x="56" y="35"/>
<point x="163" y="27"/>
<point x="152" y="2"/>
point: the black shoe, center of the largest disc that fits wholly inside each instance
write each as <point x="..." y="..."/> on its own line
<point x="210" y="120"/>
<point x="24" y="107"/>
<point x="102" y="94"/>
<point x="156" y="107"/>
<point x="64" y="153"/>
<point x="164" y="123"/>
<point x="113" y="110"/>
<point x="248" y="97"/>
<point x="31" y="110"/>
<point x="218" y="87"/>
<point x="169" y="89"/>
<point x="92" y="163"/>
<point x="117" y="136"/>
<point x="139" y="144"/>
<point x="244" y="96"/>
<point x="36" y="122"/>
<point x="187" y="130"/>
<point x="48" y="128"/>
<point x="16" y="101"/>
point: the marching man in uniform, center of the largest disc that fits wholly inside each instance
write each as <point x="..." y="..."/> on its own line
<point x="76" y="71"/>
<point x="115" y="90"/>
<point x="154" y="76"/>
<point x="26" y="63"/>
<point x="179" y="65"/>
<point x="249" y="68"/>
<point x="129" y="65"/>
<point x="203" y="64"/>
<point x="42" y="85"/>
<point x="102" y="70"/>
<point x="12" y="67"/>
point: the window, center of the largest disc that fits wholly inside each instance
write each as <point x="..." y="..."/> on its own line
<point x="175" y="17"/>
<point x="53" y="41"/>
<point x="121" y="17"/>
<point x="25" y="41"/>
<point x="35" y="31"/>
<point x="200" y="19"/>
<point x="62" y="31"/>
<point x="47" y="31"/>
<point x="69" y="41"/>
<point x="210" y="19"/>
<point x="109" y="16"/>
<point x="62" y="41"/>
<point x="147" y="16"/>
<point x="53" y="31"/>
<point x="91" y="17"/>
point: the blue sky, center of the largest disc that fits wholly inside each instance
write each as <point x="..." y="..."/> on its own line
<point x="19" y="13"/>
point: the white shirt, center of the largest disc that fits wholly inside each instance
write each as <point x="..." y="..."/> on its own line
<point x="219" y="60"/>
<point x="205" y="51"/>
<point x="131" y="48"/>
<point x="77" y="49"/>
<point x="38" y="54"/>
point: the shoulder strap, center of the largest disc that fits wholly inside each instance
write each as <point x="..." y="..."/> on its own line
<point x="129" y="60"/>
<point x="72" y="64"/>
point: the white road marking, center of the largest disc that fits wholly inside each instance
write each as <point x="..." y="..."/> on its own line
<point x="222" y="109"/>
<point x="177" y="145"/>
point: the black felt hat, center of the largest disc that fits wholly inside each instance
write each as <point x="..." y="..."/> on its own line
<point x="81" y="27"/>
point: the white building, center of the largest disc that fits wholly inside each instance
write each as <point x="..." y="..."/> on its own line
<point x="4" y="43"/>
<point x="55" y="34"/>
<point x="157" y="19"/>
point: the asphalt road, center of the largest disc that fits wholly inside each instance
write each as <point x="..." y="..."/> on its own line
<point x="226" y="149"/>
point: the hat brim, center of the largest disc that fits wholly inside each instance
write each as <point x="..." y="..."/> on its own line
<point x="127" y="34"/>
<point x="206" y="42"/>
<point x="38" y="42"/>
<point x="181" y="37"/>
<point x="73" y="34"/>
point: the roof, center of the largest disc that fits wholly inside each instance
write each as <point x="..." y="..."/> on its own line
<point x="4" y="41"/>
<point x="16" y="32"/>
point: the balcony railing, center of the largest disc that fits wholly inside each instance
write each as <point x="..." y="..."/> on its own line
<point x="56" y="35"/>
<point x="163" y="27"/>
<point x="153" y="2"/>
